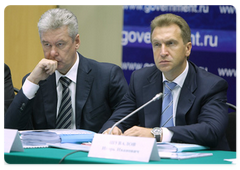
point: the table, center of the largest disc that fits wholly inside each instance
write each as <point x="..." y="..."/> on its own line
<point x="54" y="155"/>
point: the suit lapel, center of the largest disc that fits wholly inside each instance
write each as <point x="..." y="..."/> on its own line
<point x="185" y="102"/>
<point x="153" y="110"/>
<point x="49" y="94"/>
<point x="186" y="98"/>
<point x="83" y="87"/>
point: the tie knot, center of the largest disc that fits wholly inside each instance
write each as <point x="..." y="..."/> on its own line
<point x="65" y="81"/>
<point x="170" y="85"/>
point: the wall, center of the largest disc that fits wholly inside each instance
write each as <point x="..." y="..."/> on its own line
<point x="22" y="47"/>
<point x="100" y="30"/>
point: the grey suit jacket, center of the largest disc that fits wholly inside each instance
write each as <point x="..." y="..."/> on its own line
<point x="99" y="89"/>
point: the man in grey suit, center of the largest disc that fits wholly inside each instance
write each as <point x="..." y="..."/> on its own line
<point x="94" y="92"/>
<point x="198" y="113"/>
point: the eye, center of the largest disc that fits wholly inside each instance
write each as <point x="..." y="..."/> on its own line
<point x="46" y="45"/>
<point x="60" y="45"/>
<point x="156" y="44"/>
<point x="169" y="43"/>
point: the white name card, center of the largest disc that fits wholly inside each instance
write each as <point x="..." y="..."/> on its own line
<point x="12" y="141"/>
<point x="124" y="148"/>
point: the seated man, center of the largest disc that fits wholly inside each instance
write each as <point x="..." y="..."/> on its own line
<point x="8" y="88"/>
<point x="193" y="108"/>
<point x="65" y="89"/>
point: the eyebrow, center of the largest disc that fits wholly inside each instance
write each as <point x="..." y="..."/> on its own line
<point x="43" y="41"/>
<point x="164" y="41"/>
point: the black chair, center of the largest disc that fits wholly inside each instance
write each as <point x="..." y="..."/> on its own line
<point x="231" y="129"/>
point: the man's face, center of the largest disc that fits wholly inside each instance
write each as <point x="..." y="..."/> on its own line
<point x="170" y="52"/>
<point x="58" y="45"/>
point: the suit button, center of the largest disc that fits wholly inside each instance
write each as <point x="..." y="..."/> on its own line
<point x="22" y="107"/>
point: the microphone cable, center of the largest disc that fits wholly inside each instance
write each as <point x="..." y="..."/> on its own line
<point x="68" y="155"/>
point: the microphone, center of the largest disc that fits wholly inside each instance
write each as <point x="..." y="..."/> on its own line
<point x="157" y="97"/>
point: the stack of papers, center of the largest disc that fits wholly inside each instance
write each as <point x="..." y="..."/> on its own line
<point x="42" y="138"/>
<point x="179" y="147"/>
<point x="183" y="155"/>
<point x="181" y="150"/>
<point x="39" y="138"/>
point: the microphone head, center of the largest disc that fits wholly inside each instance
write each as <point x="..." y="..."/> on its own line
<point x="158" y="96"/>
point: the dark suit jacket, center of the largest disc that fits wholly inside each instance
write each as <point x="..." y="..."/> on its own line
<point x="201" y="116"/>
<point x="99" y="89"/>
<point x="8" y="88"/>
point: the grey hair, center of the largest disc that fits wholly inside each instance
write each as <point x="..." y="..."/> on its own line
<point x="57" y="18"/>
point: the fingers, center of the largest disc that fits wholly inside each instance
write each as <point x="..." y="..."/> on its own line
<point x="50" y="67"/>
<point x="115" y="131"/>
<point x="138" y="131"/>
<point x="131" y="132"/>
<point x="43" y="69"/>
<point x="106" y="132"/>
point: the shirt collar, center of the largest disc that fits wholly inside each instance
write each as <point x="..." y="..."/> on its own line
<point x="181" y="78"/>
<point x="71" y="74"/>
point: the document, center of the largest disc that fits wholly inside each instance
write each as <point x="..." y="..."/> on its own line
<point x="41" y="138"/>
<point x="179" y="147"/>
<point x="182" y="155"/>
<point x="71" y="146"/>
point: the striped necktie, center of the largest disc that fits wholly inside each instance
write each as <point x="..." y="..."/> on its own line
<point x="65" y="111"/>
<point x="167" y="105"/>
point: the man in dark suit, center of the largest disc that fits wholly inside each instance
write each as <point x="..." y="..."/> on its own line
<point x="199" y="112"/>
<point x="8" y="88"/>
<point x="94" y="91"/>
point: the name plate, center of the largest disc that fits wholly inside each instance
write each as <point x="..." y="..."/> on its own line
<point x="11" y="141"/>
<point x="124" y="148"/>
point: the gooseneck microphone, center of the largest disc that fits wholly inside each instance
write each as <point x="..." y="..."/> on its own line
<point x="157" y="97"/>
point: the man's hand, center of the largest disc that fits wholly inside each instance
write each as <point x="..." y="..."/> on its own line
<point x="139" y="131"/>
<point x="43" y="69"/>
<point x="116" y="131"/>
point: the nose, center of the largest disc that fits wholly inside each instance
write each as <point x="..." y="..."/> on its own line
<point x="163" y="51"/>
<point x="53" y="52"/>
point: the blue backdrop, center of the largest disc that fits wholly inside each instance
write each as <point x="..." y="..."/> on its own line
<point x="213" y="33"/>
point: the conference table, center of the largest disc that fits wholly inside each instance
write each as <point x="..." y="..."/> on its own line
<point x="54" y="155"/>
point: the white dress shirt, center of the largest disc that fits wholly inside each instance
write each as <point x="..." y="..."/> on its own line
<point x="30" y="89"/>
<point x="167" y="134"/>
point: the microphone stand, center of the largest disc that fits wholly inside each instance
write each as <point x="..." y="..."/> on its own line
<point x="157" y="97"/>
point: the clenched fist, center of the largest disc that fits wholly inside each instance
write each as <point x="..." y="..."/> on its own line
<point x="43" y="69"/>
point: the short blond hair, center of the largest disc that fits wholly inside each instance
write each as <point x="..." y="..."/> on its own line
<point x="168" y="19"/>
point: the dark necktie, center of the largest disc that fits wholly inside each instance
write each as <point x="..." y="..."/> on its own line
<point x="65" y="111"/>
<point x="167" y="105"/>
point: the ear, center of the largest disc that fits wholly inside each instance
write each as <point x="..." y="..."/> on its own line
<point x="188" y="49"/>
<point x="77" y="41"/>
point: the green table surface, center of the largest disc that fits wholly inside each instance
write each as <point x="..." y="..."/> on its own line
<point x="54" y="155"/>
